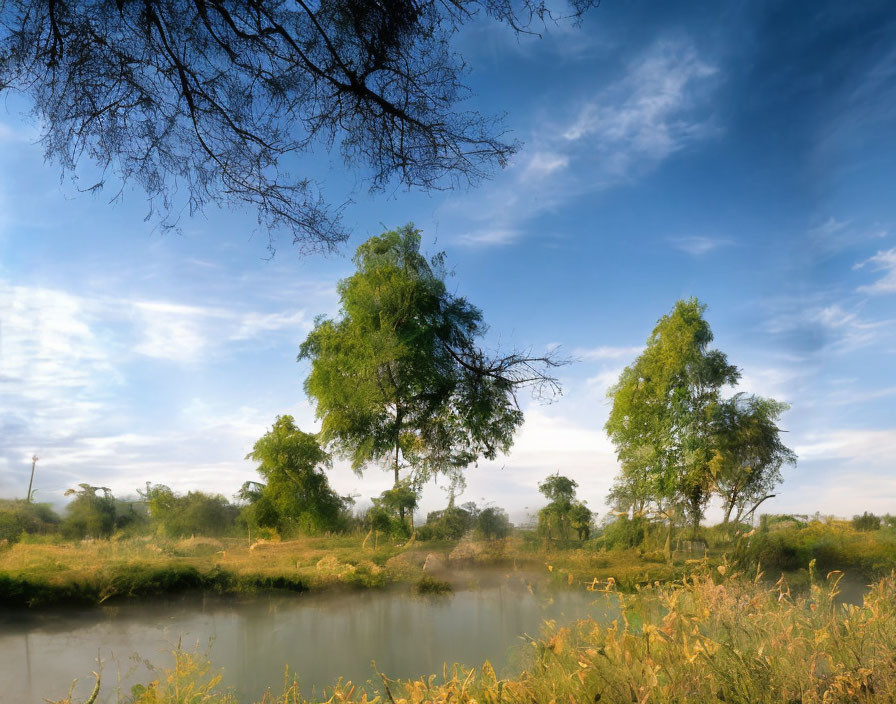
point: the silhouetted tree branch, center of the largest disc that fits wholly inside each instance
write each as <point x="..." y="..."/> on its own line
<point x="206" y="97"/>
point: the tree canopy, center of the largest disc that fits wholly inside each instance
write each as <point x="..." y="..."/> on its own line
<point x="195" y="513"/>
<point x="660" y="421"/>
<point x="400" y="378"/>
<point x="296" y="493"/>
<point x="564" y="512"/>
<point x="209" y="97"/>
<point x="679" y="442"/>
<point x="749" y="453"/>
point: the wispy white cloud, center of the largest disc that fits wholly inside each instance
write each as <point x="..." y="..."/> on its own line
<point x="698" y="246"/>
<point x="607" y="352"/>
<point x="841" y="472"/>
<point x="814" y="324"/>
<point x="252" y="325"/>
<point x="68" y="386"/>
<point x="884" y="261"/>
<point x="544" y="164"/>
<point x="642" y="117"/>
<point x="833" y="235"/>
<point x="611" y="137"/>
<point x="490" y="237"/>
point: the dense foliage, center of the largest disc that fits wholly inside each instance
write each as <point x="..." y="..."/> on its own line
<point x="90" y="514"/>
<point x="492" y="523"/>
<point x="18" y="516"/>
<point x="195" y="513"/>
<point x="564" y="516"/>
<point x="399" y="377"/>
<point x="296" y="495"/>
<point x="678" y="441"/>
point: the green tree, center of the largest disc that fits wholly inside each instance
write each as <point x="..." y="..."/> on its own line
<point x="195" y="513"/>
<point x="580" y="517"/>
<point x="492" y="523"/>
<point x="866" y="522"/>
<point x="19" y="516"/>
<point x="89" y="514"/>
<point x="450" y="523"/>
<point x="296" y="493"/>
<point x="661" y="418"/>
<point x="399" y="378"/>
<point x="389" y="510"/>
<point x="564" y="513"/>
<point x="749" y="453"/>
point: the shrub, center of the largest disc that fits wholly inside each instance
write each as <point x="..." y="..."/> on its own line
<point x="431" y="585"/>
<point x="197" y="513"/>
<point x="865" y="522"/>
<point x="449" y="524"/>
<point x="834" y="546"/>
<point x="89" y="515"/>
<point x="492" y="523"/>
<point x="624" y="533"/>
<point x="18" y="516"/>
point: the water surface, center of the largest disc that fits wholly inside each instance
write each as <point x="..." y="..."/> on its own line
<point x="319" y="636"/>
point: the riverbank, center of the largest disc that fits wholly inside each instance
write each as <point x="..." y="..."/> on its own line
<point x="38" y="572"/>
<point x="712" y="638"/>
<point x="35" y="574"/>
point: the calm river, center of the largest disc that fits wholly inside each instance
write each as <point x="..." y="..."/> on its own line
<point x="319" y="636"/>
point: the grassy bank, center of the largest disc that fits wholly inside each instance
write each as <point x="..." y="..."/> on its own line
<point x="712" y="638"/>
<point x="40" y="573"/>
<point x="45" y="571"/>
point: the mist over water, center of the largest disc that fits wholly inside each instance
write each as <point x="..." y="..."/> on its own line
<point x="320" y="637"/>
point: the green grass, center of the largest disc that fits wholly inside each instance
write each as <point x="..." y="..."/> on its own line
<point x="46" y="570"/>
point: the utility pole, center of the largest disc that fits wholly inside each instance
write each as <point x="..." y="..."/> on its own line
<point x="31" y="481"/>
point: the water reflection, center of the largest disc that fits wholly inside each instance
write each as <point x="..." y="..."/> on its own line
<point x="320" y="637"/>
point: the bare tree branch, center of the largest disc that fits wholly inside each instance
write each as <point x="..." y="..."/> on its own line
<point x="202" y="100"/>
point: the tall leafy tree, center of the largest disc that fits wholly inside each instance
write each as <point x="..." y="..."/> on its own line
<point x="661" y="418"/>
<point x="296" y="494"/>
<point x="564" y="512"/>
<point x="399" y="378"/>
<point x="749" y="453"/>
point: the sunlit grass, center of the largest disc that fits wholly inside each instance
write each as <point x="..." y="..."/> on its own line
<point x="38" y="571"/>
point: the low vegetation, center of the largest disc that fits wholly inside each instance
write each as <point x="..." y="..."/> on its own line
<point x="42" y="570"/>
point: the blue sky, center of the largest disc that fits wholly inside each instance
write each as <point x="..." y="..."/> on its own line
<point x="738" y="152"/>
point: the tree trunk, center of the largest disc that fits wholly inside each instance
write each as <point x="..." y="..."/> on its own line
<point x="729" y="507"/>
<point x="397" y="450"/>
<point x="667" y="548"/>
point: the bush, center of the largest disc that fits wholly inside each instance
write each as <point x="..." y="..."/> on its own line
<point x="624" y="533"/>
<point x="89" y="515"/>
<point x="492" y="523"/>
<point x="834" y="546"/>
<point x="18" y="516"/>
<point x="197" y="513"/>
<point x="865" y="522"/>
<point x="450" y="524"/>
<point x="431" y="585"/>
